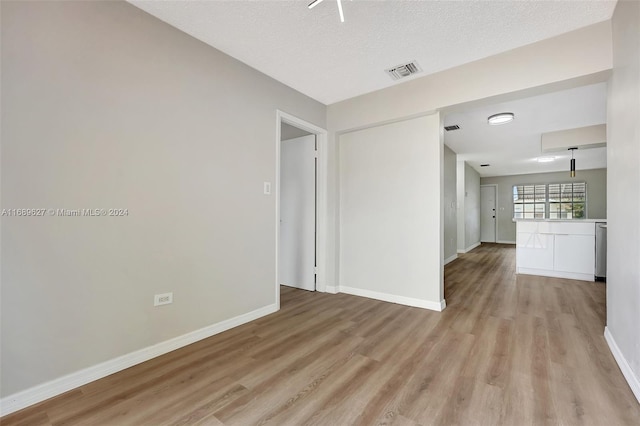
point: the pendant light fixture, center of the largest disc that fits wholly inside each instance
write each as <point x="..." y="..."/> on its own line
<point x="572" y="170"/>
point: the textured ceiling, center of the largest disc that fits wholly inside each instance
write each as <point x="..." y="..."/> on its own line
<point x="316" y="54"/>
<point x="513" y="148"/>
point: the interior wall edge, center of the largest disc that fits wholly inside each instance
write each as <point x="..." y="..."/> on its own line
<point x="627" y="372"/>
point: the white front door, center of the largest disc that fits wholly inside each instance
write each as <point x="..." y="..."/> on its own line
<point x="488" y="214"/>
<point x="297" y="245"/>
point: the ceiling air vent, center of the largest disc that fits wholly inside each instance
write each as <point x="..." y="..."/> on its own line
<point x="404" y="70"/>
<point x="450" y="128"/>
<point x="485" y="165"/>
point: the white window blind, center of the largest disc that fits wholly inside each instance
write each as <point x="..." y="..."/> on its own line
<point x="550" y="201"/>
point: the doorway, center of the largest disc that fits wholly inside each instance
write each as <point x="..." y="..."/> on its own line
<point x="297" y="256"/>
<point x="488" y="213"/>
<point x="301" y="162"/>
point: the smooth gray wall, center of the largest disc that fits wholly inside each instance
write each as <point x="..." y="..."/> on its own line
<point x="471" y="206"/>
<point x="104" y="106"/>
<point x="468" y="215"/>
<point x="449" y="204"/>
<point x="596" y="180"/>
<point x="389" y="201"/>
<point x="460" y="216"/>
<point x="623" y="157"/>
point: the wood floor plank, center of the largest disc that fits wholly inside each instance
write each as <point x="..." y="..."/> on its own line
<point x="508" y="350"/>
<point x="198" y="405"/>
<point x="216" y="363"/>
<point x="497" y="373"/>
<point x="332" y="400"/>
<point x="276" y="388"/>
<point x="434" y="383"/>
<point x="388" y="402"/>
<point x="484" y="407"/>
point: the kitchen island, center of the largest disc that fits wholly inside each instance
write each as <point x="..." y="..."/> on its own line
<point x="556" y="248"/>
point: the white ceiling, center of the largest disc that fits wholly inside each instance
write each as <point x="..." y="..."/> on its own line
<point x="312" y="52"/>
<point x="514" y="148"/>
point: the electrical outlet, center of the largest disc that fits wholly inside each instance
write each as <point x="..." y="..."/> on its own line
<point x="162" y="299"/>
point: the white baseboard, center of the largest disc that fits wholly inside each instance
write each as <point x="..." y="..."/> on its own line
<point x="471" y="247"/>
<point x="450" y="259"/>
<point x="627" y="372"/>
<point x="401" y="300"/>
<point x="331" y="289"/>
<point x="556" y="274"/>
<point x="505" y="242"/>
<point x="71" y="381"/>
<point x="468" y="249"/>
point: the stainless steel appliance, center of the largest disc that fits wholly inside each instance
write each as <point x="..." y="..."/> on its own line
<point x="601" y="251"/>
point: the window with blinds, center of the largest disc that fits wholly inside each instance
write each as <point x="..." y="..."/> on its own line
<point x="567" y="200"/>
<point x="529" y="201"/>
<point x="550" y="201"/>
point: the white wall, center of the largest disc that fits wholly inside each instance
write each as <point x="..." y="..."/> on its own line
<point x="104" y="106"/>
<point x="596" y="180"/>
<point x="389" y="212"/>
<point x="450" y="217"/>
<point x="623" y="204"/>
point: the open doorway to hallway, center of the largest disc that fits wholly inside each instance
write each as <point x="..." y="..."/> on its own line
<point x="301" y="173"/>
<point x="297" y="246"/>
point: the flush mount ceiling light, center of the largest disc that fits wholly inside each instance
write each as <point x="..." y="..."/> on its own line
<point x="314" y="3"/>
<point x="546" y="159"/>
<point x="501" y="118"/>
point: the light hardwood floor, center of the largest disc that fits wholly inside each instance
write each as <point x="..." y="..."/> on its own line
<point x="508" y="350"/>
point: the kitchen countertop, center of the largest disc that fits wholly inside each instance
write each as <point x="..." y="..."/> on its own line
<point x="561" y="220"/>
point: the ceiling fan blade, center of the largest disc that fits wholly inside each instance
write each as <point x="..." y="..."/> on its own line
<point x="340" y="10"/>
<point x="314" y="3"/>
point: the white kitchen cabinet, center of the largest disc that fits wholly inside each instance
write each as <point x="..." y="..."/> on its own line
<point x="535" y="250"/>
<point x="575" y="253"/>
<point x="556" y="249"/>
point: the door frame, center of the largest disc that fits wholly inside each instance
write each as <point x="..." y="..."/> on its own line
<point x="495" y="225"/>
<point x="321" y="197"/>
